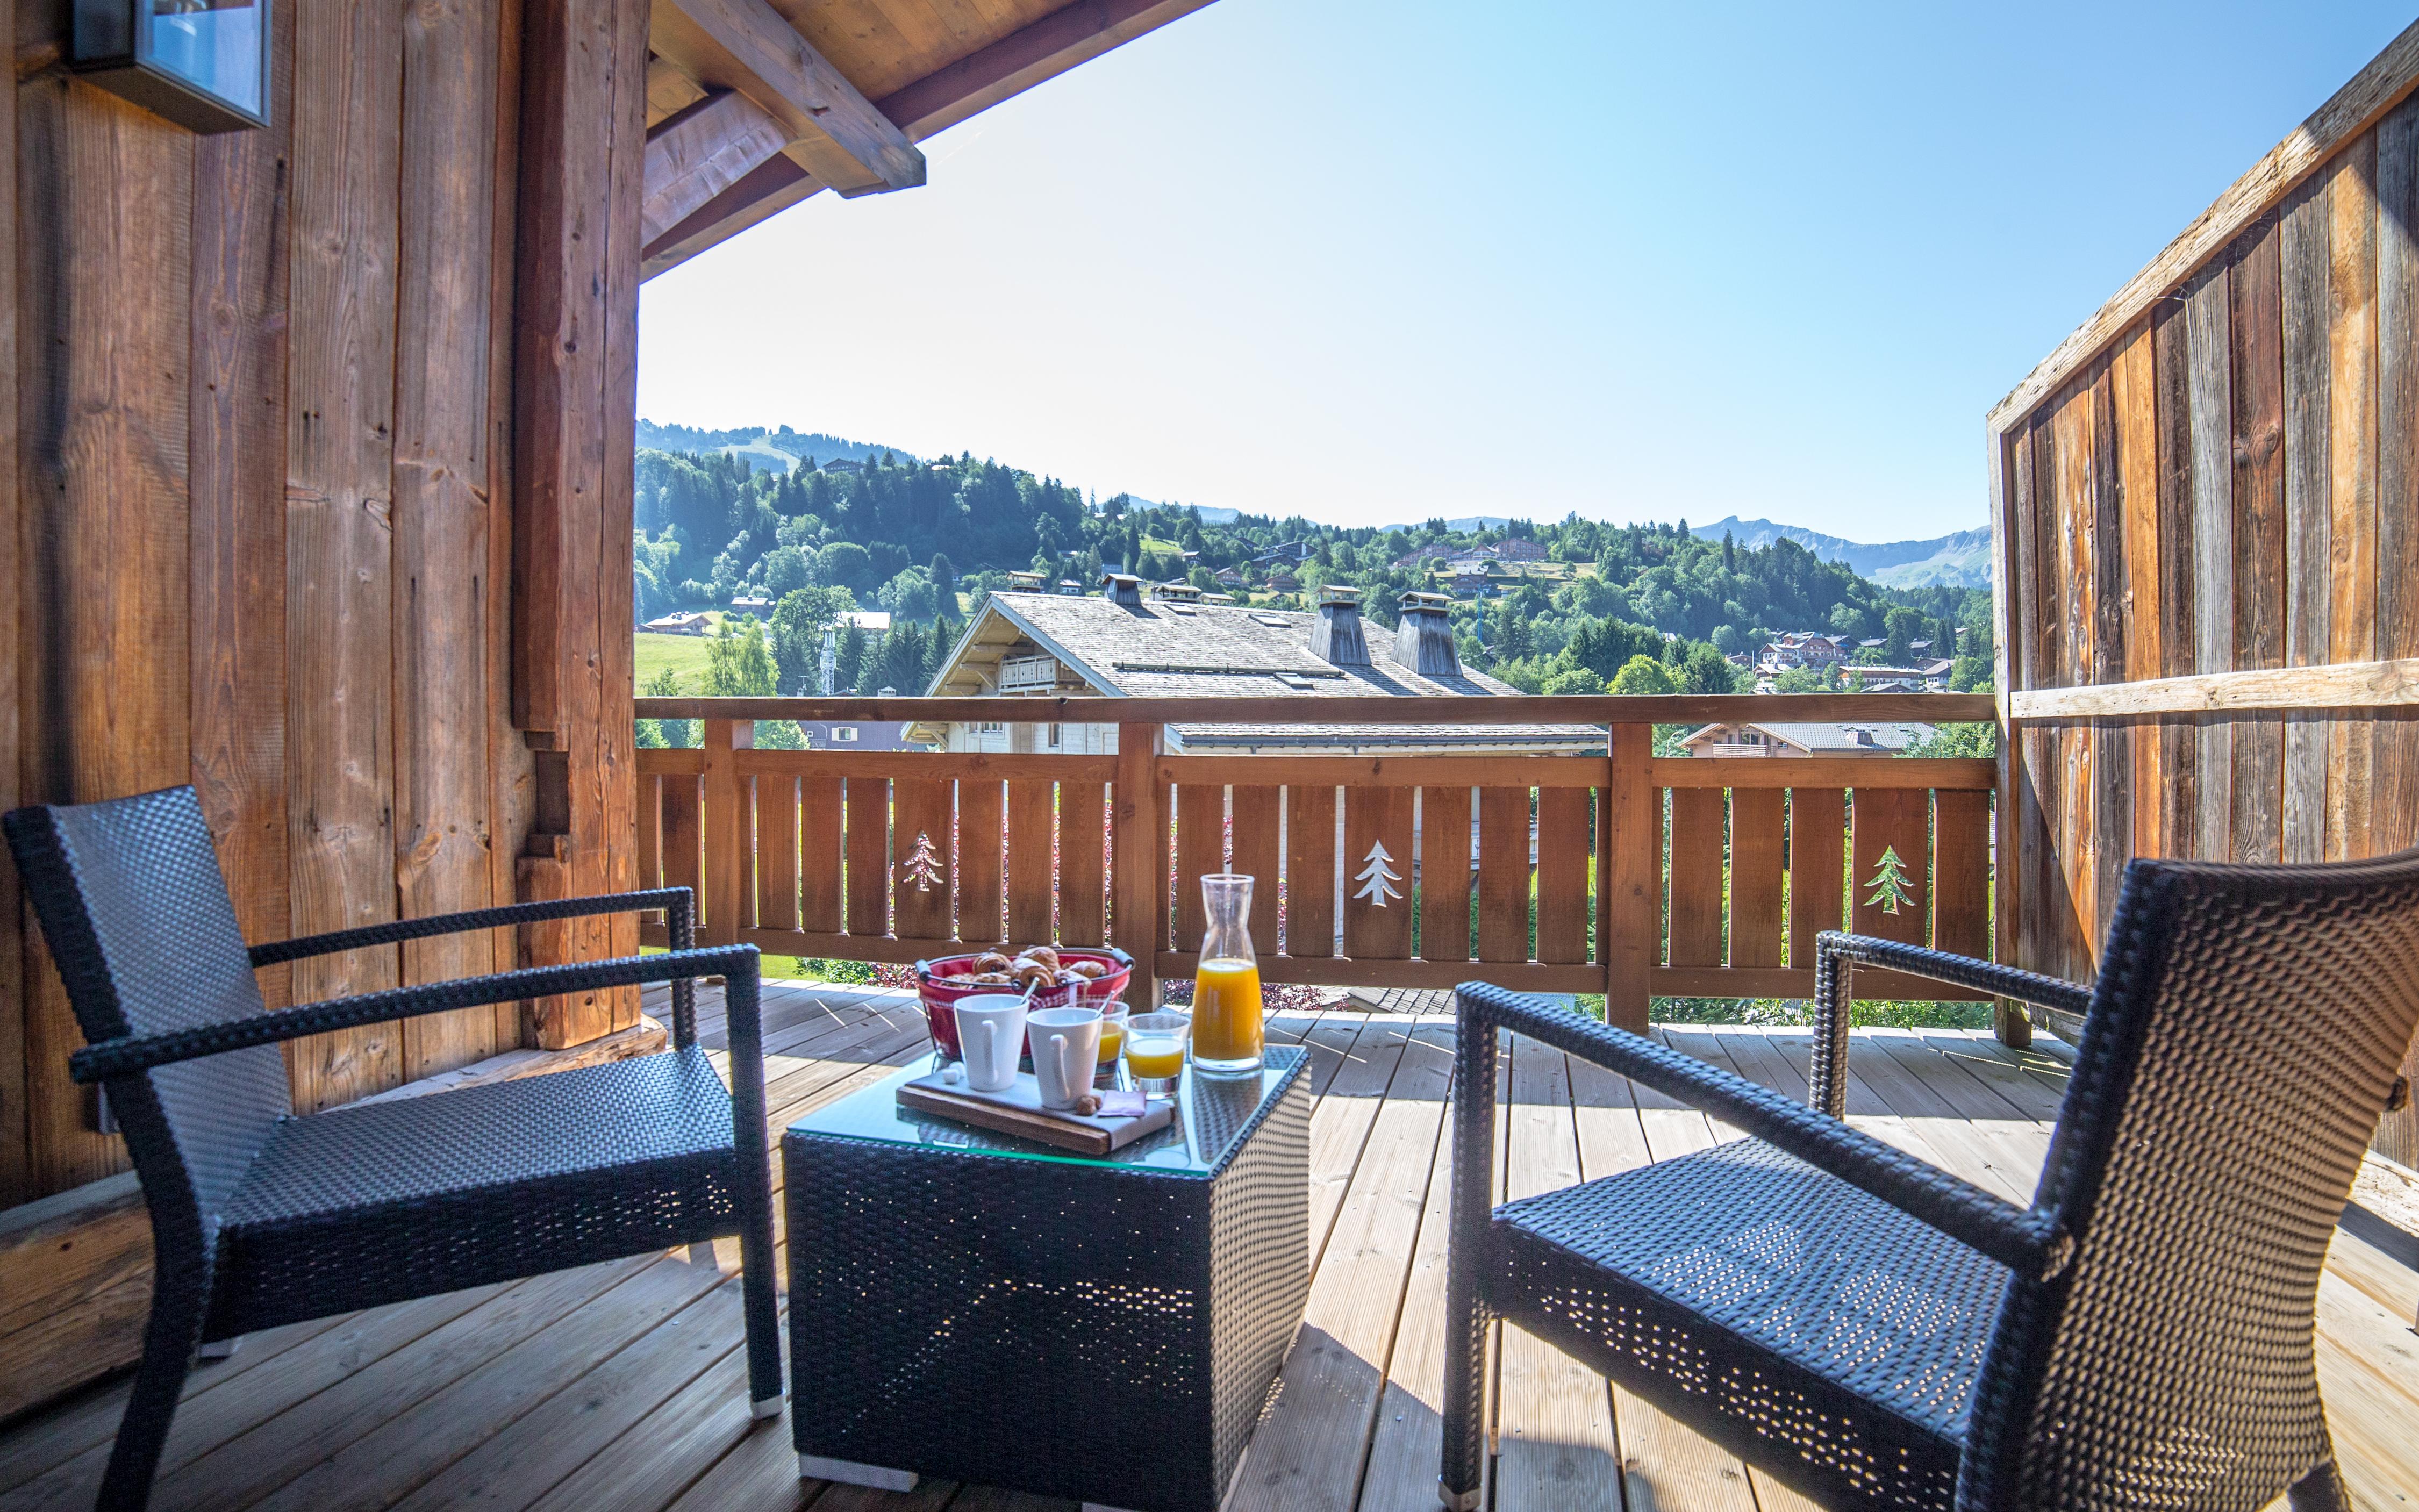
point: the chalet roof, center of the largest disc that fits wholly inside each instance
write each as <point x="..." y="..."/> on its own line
<point x="1165" y="649"/>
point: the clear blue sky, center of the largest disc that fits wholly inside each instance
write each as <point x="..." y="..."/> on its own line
<point x="1375" y="260"/>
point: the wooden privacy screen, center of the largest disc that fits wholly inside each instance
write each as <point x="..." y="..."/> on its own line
<point x="1395" y="871"/>
<point x="2207" y="543"/>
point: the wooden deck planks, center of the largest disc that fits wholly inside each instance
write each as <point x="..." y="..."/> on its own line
<point x="1555" y="1447"/>
<point x="620" y="1386"/>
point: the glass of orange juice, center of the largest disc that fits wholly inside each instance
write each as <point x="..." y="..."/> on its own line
<point x="1226" y="1032"/>
<point x="1112" y="1041"/>
<point x="1155" y="1051"/>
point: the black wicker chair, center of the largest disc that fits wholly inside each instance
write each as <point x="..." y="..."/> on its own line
<point x="1877" y="1333"/>
<point x="260" y="1218"/>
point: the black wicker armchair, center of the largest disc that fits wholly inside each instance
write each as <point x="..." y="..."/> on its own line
<point x="260" y="1218"/>
<point x="1877" y="1333"/>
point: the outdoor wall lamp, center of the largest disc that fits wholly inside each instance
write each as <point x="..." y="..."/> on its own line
<point x="203" y="64"/>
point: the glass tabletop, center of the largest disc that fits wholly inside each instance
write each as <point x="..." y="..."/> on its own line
<point x="1210" y="1114"/>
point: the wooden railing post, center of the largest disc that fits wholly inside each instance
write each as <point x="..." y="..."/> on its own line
<point x="1629" y="867"/>
<point x="1138" y="836"/>
<point x="728" y="837"/>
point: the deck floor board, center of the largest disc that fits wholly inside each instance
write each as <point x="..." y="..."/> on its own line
<point x="622" y="1386"/>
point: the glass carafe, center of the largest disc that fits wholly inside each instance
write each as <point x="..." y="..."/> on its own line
<point x="1226" y="1033"/>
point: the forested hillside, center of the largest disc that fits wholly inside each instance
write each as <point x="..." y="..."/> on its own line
<point x="1587" y="605"/>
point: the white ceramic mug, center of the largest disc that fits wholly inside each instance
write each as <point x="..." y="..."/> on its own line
<point x="991" y="1036"/>
<point x="1065" y="1045"/>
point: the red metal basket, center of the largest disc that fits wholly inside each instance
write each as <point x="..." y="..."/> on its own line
<point x="940" y="998"/>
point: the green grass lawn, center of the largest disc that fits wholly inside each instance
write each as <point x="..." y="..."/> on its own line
<point x="682" y="654"/>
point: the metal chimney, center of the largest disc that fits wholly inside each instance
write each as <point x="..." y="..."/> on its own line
<point x="1336" y="638"/>
<point x="1122" y="588"/>
<point x="1423" y="637"/>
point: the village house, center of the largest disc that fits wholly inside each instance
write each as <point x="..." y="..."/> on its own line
<point x="680" y="622"/>
<point x="1178" y="644"/>
<point x="1769" y="739"/>
<point x="1924" y="677"/>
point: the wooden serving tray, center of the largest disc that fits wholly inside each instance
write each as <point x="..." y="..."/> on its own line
<point x="1017" y="1111"/>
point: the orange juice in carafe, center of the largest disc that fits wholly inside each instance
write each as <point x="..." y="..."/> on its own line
<point x="1226" y="1031"/>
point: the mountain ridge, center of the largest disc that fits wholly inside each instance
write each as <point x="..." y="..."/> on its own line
<point x="1961" y="559"/>
<point x="1958" y="559"/>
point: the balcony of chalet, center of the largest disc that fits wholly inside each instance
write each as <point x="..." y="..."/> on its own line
<point x="318" y="500"/>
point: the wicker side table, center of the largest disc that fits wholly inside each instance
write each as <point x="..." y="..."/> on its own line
<point x="966" y="1305"/>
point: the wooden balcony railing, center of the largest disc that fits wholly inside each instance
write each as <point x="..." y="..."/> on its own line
<point x="1623" y="873"/>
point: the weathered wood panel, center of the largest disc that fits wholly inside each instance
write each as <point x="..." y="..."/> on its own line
<point x="339" y="505"/>
<point x="1032" y="842"/>
<point x="1696" y="872"/>
<point x="1445" y="873"/>
<point x="2257" y="329"/>
<point x="1818" y="869"/>
<point x="869" y="856"/>
<point x="2309" y="416"/>
<point x="1757" y="818"/>
<point x="444" y="281"/>
<point x="1564" y="908"/>
<point x="258" y="537"/>
<point x="982" y="872"/>
<point x="1200" y="850"/>
<point x="2266" y="390"/>
<point x="921" y="845"/>
<point x="1310" y="870"/>
<point x="821" y="821"/>
<point x="1253" y="845"/>
<point x="1502" y="873"/>
<point x="774" y="801"/>
<point x="1377" y="908"/>
<point x="1083" y="851"/>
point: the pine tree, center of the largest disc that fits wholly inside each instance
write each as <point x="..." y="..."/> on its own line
<point x="1892" y="888"/>
<point x="1377" y="877"/>
<point x="923" y="867"/>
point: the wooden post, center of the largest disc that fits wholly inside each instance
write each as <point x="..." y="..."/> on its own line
<point x="2008" y="1017"/>
<point x="1629" y="847"/>
<point x="1138" y="836"/>
<point x="729" y="836"/>
<point x="575" y="303"/>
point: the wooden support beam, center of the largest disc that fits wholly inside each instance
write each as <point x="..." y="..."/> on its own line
<point x="1675" y="708"/>
<point x="1076" y="31"/>
<point x="835" y="132"/>
<point x="582" y="141"/>
<point x="2357" y="685"/>
<point x="1138" y="842"/>
<point x="700" y="152"/>
<point x="1629" y="863"/>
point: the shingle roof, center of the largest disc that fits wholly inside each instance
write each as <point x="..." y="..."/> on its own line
<point x="1163" y="650"/>
<point x="1821" y="738"/>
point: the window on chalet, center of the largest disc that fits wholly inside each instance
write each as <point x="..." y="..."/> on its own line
<point x="843" y="734"/>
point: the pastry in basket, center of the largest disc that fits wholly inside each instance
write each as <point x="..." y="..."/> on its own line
<point x="1088" y="970"/>
<point x="1033" y="974"/>
<point x="991" y="961"/>
<point x="1043" y="954"/>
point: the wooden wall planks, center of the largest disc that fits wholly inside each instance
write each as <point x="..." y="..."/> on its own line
<point x="2254" y="497"/>
<point x="339" y="507"/>
<point x="258" y="535"/>
<point x="442" y="782"/>
<point x="104" y="340"/>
